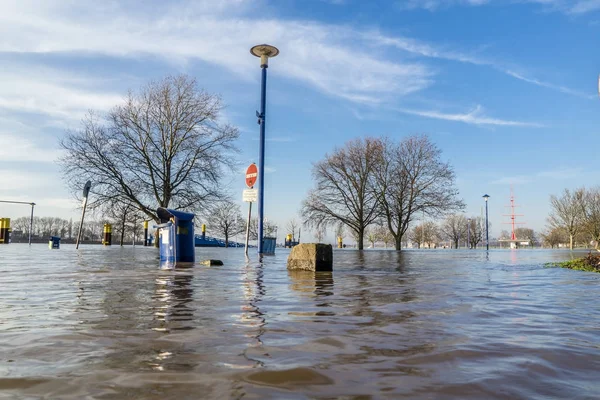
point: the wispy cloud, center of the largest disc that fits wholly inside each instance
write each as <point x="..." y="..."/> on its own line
<point x="320" y="55"/>
<point x="426" y="50"/>
<point x="433" y="5"/>
<point x="566" y="6"/>
<point x="474" y="117"/>
<point x="554" y="174"/>
<point x="52" y="92"/>
<point x="552" y="86"/>
<point x="16" y="148"/>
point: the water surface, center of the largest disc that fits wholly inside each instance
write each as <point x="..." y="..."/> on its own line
<point x="107" y="323"/>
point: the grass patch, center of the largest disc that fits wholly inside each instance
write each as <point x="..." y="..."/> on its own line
<point x="589" y="263"/>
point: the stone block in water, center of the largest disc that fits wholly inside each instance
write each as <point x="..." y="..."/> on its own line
<point x="311" y="257"/>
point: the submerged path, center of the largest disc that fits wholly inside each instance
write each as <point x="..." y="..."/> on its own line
<point x="106" y="323"/>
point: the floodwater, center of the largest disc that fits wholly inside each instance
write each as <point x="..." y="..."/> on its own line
<point x="107" y="323"/>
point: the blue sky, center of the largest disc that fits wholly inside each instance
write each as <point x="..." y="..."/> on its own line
<point x="506" y="88"/>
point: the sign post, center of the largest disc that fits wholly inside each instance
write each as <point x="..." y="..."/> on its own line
<point x="86" y="192"/>
<point x="250" y="196"/>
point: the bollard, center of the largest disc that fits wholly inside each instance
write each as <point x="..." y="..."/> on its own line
<point x="145" y="233"/>
<point x="54" y="242"/>
<point x="5" y="230"/>
<point x="203" y="231"/>
<point x="107" y="237"/>
<point x="340" y="242"/>
<point x="175" y="236"/>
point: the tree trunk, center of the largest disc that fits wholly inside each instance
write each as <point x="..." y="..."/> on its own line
<point x="360" y="242"/>
<point x="571" y="242"/>
<point x="398" y="243"/>
<point x="456" y="244"/>
<point x="226" y="240"/>
<point x="122" y="232"/>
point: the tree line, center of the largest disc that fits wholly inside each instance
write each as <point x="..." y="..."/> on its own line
<point x="575" y="217"/>
<point x="377" y="181"/>
<point x="92" y="230"/>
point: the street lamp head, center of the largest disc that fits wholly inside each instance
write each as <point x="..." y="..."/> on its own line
<point x="486" y="197"/>
<point x="264" y="51"/>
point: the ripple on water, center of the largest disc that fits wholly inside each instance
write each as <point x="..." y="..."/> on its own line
<point x="106" y="323"/>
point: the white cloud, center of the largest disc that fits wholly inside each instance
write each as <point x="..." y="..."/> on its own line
<point x="433" y="5"/>
<point x="13" y="181"/>
<point x="425" y="50"/>
<point x="474" y="117"/>
<point x="320" y="55"/>
<point x="19" y="148"/>
<point x="566" y="6"/>
<point x="52" y="92"/>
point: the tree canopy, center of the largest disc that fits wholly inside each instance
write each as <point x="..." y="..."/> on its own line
<point x="165" y="145"/>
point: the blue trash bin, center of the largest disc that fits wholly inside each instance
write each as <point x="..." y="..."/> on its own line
<point x="54" y="242"/>
<point x="269" y="245"/>
<point x="175" y="236"/>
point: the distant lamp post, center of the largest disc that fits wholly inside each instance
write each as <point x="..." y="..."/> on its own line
<point x="264" y="51"/>
<point x="487" y="233"/>
<point x="468" y="233"/>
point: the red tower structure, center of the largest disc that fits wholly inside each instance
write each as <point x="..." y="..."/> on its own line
<point x="513" y="216"/>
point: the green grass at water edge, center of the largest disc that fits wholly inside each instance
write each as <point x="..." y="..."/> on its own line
<point x="590" y="263"/>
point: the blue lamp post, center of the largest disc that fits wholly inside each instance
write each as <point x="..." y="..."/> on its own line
<point x="264" y="51"/>
<point x="487" y="236"/>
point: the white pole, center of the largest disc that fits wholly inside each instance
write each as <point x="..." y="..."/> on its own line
<point x="248" y="226"/>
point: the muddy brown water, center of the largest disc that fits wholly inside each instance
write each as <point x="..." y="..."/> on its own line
<point x="107" y="323"/>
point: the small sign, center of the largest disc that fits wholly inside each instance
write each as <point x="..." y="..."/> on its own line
<point x="86" y="188"/>
<point x="250" y="195"/>
<point x="251" y="175"/>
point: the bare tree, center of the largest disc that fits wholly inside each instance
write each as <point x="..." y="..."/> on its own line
<point x="225" y="218"/>
<point x="120" y="215"/>
<point x="371" y="234"/>
<point x="454" y="228"/>
<point x="554" y="237"/>
<point x="320" y="234"/>
<point x="292" y="227"/>
<point x="269" y="228"/>
<point x="344" y="190"/>
<point x="567" y="212"/>
<point x="163" y="147"/>
<point x="477" y="230"/>
<point x="425" y="233"/>
<point x="590" y="204"/>
<point x="383" y="235"/>
<point x="412" y="179"/>
<point x="526" y="234"/>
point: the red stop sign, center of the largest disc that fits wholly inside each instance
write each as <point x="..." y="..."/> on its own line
<point x="251" y="175"/>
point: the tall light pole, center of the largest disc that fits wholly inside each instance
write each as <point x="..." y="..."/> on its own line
<point x="264" y="51"/>
<point x="487" y="236"/>
<point x="468" y="233"/>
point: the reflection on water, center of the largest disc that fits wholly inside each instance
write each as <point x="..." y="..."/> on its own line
<point x="107" y="323"/>
<point x="172" y="300"/>
<point x="252" y="317"/>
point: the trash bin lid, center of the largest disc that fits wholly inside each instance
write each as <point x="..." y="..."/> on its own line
<point x="166" y="213"/>
<point x="54" y="238"/>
